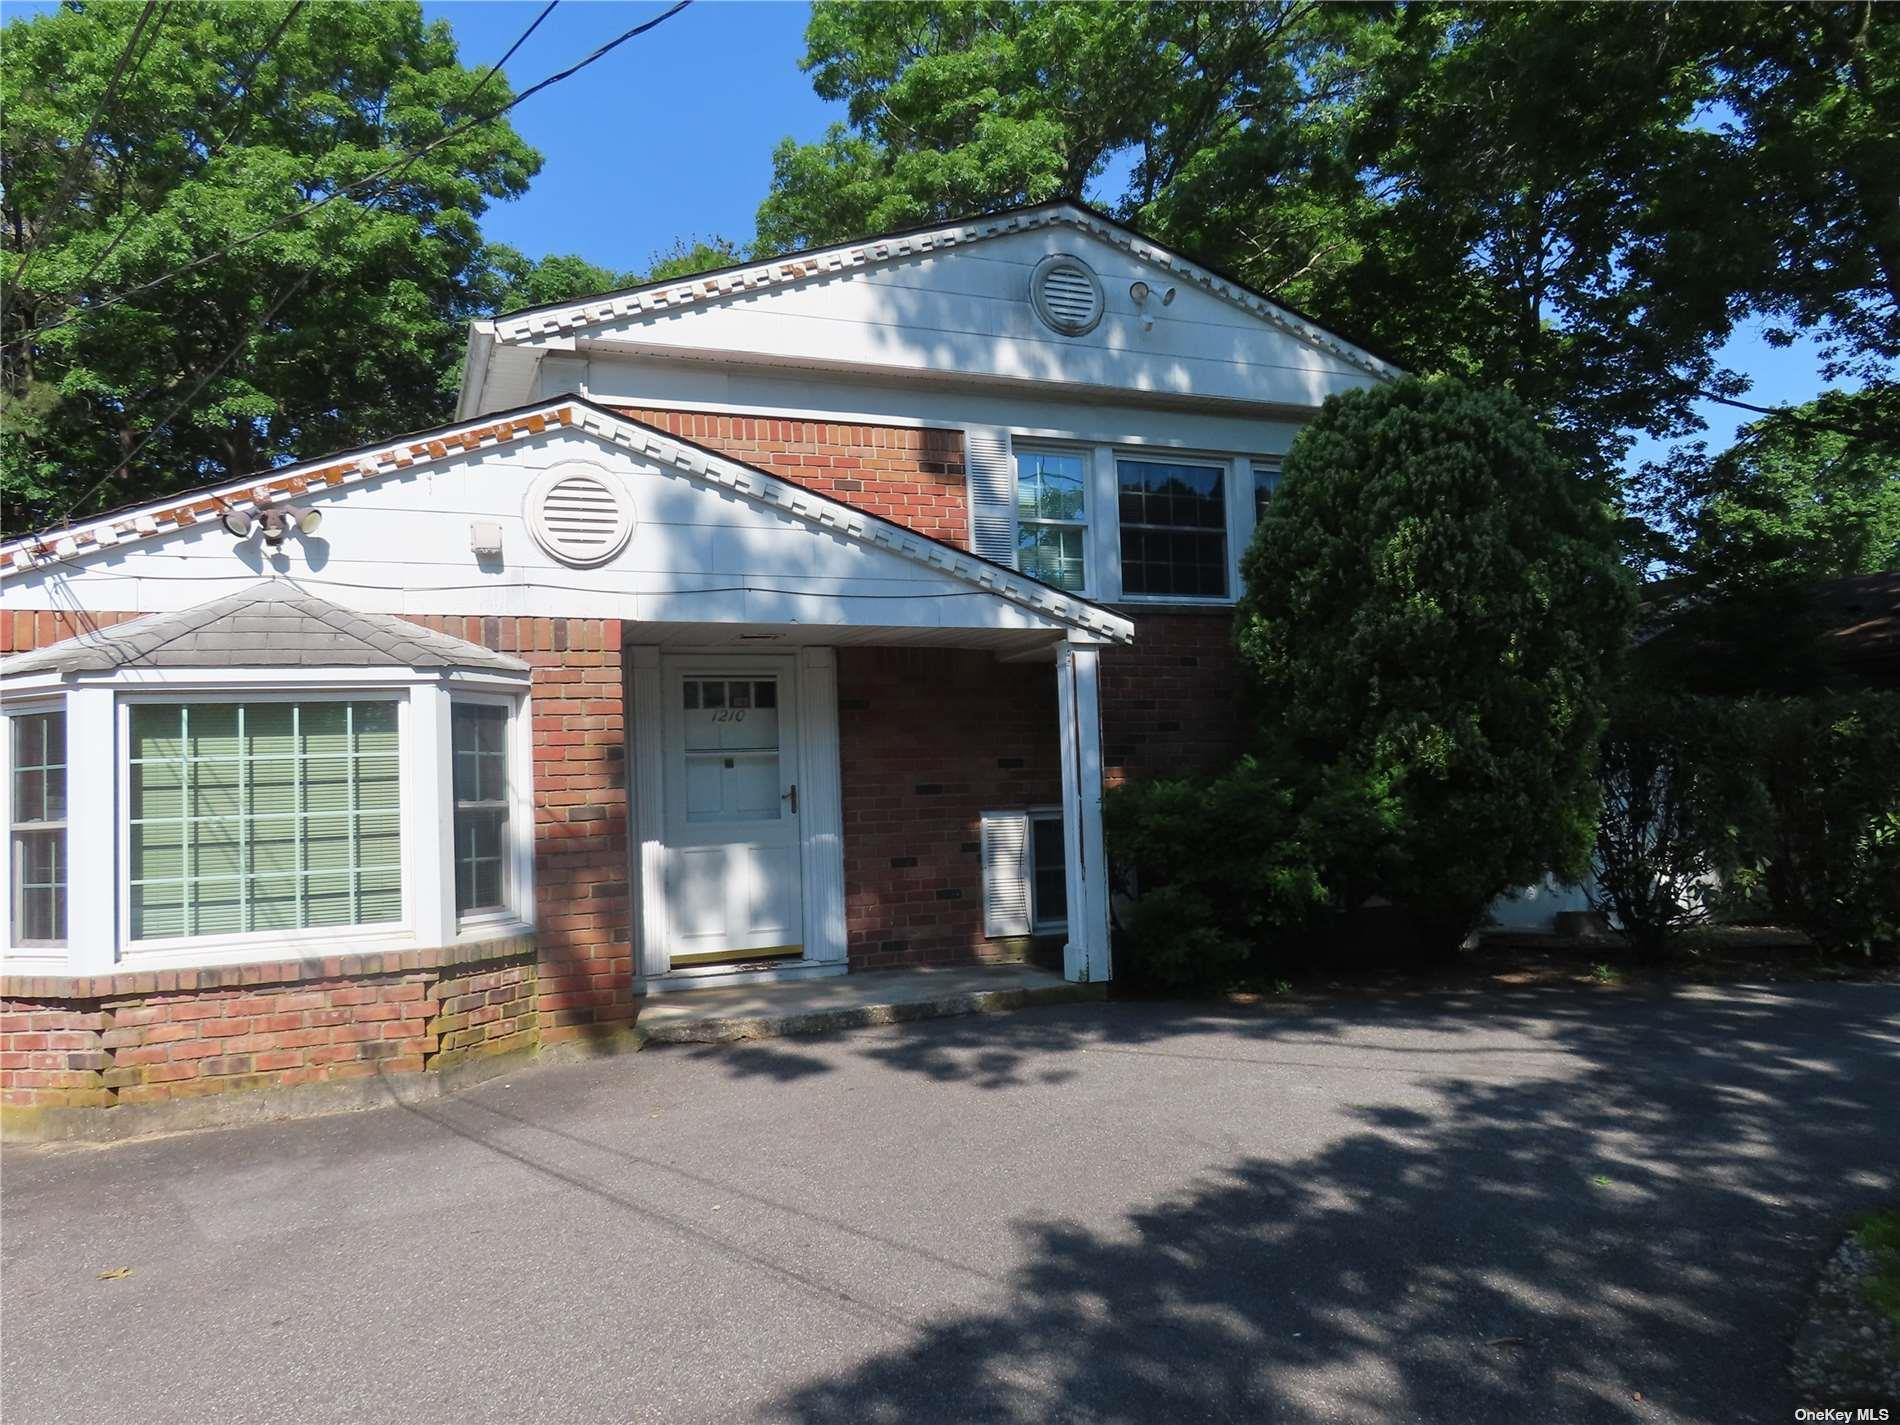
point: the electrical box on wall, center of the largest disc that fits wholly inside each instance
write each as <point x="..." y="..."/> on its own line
<point x="484" y="537"/>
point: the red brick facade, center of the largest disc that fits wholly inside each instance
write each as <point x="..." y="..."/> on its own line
<point x="907" y="474"/>
<point x="929" y="739"/>
<point x="1174" y="702"/>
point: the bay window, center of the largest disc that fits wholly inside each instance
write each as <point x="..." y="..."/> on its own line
<point x="36" y="813"/>
<point x="1052" y="516"/>
<point x="259" y="816"/>
<point x="1173" y="528"/>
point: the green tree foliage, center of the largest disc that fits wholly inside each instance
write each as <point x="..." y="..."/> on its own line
<point x="1434" y="606"/>
<point x="1807" y="496"/>
<point x="1797" y="498"/>
<point x="1570" y="202"/>
<point x="343" y="322"/>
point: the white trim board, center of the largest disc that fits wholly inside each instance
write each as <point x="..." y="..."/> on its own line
<point x="109" y="538"/>
<point x="555" y="326"/>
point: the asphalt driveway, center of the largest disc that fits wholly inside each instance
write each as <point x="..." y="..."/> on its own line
<point x="1547" y="1205"/>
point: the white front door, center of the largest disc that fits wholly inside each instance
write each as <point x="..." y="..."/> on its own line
<point x="734" y="881"/>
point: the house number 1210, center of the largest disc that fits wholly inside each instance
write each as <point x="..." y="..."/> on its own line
<point x="729" y="715"/>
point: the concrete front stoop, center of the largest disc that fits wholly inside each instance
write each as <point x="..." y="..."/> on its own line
<point x="719" y="1016"/>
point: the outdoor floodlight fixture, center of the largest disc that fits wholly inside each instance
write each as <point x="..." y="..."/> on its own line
<point x="280" y="524"/>
<point x="237" y="522"/>
<point x="1138" y="291"/>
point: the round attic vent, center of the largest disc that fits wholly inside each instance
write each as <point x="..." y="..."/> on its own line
<point x="580" y="514"/>
<point x="1066" y="294"/>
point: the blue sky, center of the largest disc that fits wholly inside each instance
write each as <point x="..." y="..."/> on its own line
<point x="671" y="136"/>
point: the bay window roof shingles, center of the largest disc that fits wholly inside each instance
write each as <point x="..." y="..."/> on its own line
<point x="272" y="624"/>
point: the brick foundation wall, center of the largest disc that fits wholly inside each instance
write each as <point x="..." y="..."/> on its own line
<point x="903" y="473"/>
<point x="147" y="1037"/>
<point x="1175" y="701"/>
<point x="929" y="740"/>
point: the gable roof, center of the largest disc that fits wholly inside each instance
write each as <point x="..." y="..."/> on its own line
<point x="572" y="413"/>
<point x="271" y="624"/>
<point x="560" y="319"/>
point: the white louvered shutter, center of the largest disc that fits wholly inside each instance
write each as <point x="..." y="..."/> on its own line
<point x="992" y="476"/>
<point x="1005" y="873"/>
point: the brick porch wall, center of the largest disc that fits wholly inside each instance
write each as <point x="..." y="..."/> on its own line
<point x="911" y="475"/>
<point x="929" y="740"/>
<point x="1175" y="701"/>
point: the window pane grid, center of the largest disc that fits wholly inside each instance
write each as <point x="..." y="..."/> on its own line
<point x="38" y="814"/>
<point x="1051" y="517"/>
<point x="479" y="743"/>
<point x="1174" y="528"/>
<point x="265" y="816"/>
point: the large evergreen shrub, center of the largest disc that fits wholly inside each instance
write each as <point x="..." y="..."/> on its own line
<point x="1433" y="607"/>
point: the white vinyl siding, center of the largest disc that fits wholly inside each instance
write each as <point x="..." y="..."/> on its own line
<point x="1025" y="874"/>
<point x="263" y="816"/>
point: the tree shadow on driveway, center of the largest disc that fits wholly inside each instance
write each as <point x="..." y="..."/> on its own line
<point x="1626" y="1241"/>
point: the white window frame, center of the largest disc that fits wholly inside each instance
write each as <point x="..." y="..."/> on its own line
<point x="1236" y="481"/>
<point x="1038" y="923"/>
<point x="1086" y="524"/>
<point x="98" y="713"/>
<point x="32" y="956"/>
<point x="517" y="907"/>
<point x="241" y="946"/>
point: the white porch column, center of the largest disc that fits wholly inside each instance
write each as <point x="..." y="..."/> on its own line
<point x="822" y="807"/>
<point x="645" y="704"/>
<point x="1085" y="957"/>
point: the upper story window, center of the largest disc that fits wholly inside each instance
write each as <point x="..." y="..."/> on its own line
<point x="1266" y="481"/>
<point x="246" y="817"/>
<point x="37" y="811"/>
<point x="1052" y="516"/>
<point x="1173" y="528"/>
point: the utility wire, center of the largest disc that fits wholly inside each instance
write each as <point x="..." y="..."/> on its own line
<point x="392" y="170"/>
<point x="125" y="462"/>
<point x="242" y="95"/>
<point x="76" y="160"/>
<point x="264" y="318"/>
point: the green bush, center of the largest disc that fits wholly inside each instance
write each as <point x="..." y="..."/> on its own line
<point x="1231" y="875"/>
<point x="1825" y="855"/>
<point x="1676" y="794"/>
<point x="1433" y="607"/>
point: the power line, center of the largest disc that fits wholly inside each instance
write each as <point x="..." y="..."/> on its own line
<point x="125" y="462"/>
<point x="76" y="160"/>
<point x="263" y="320"/>
<point x="395" y="169"/>
<point x="243" y="94"/>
